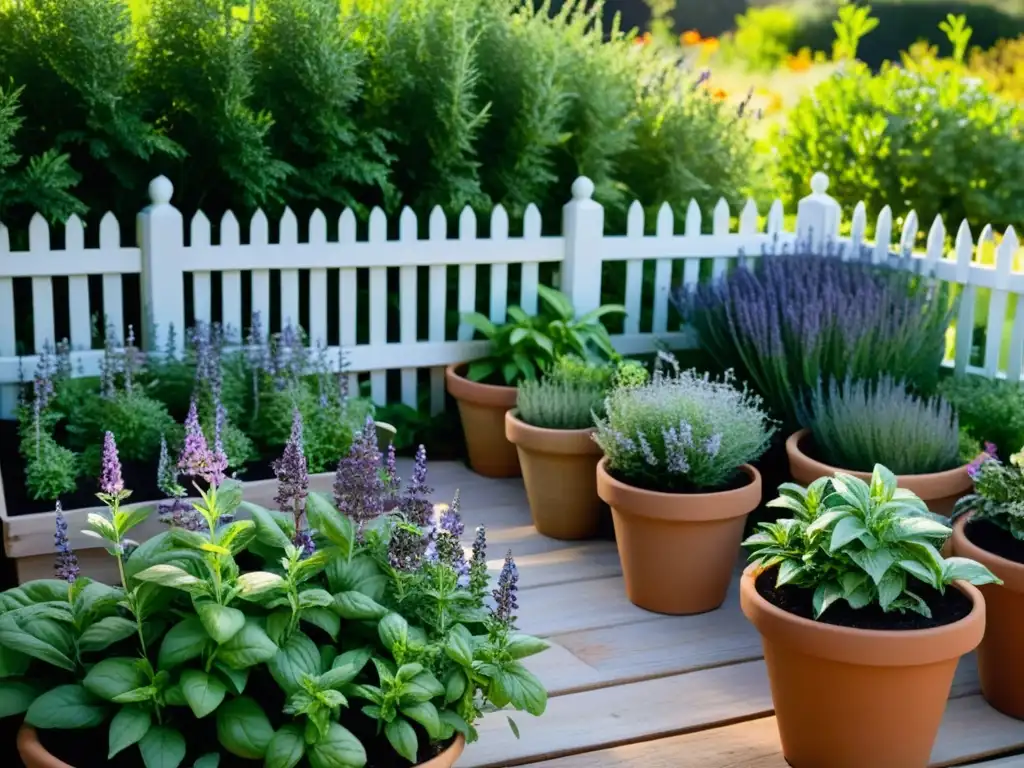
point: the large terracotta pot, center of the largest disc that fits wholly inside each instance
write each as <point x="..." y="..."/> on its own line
<point x="34" y="754"/>
<point x="1001" y="654"/>
<point x="482" y="408"/>
<point x="939" y="490"/>
<point x="678" y="550"/>
<point x="852" y="698"/>
<point x="559" y="474"/>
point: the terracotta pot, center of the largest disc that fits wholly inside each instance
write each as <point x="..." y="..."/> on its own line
<point x="34" y="754"/>
<point x="850" y="698"/>
<point x="449" y="757"/>
<point x="939" y="490"/>
<point x="559" y="473"/>
<point x="482" y="408"/>
<point x="1000" y="662"/>
<point x="678" y="550"/>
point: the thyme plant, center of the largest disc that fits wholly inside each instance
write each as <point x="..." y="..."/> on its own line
<point x="998" y="492"/>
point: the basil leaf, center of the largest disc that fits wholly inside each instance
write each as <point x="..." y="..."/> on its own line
<point x="236" y="678"/>
<point x="183" y="642"/>
<point x="249" y="647"/>
<point x="514" y="684"/>
<point x="128" y="727"/>
<point x="244" y="729"/>
<point x="426" y="715"/>
<point x="360" y="574"/>
<point x="521" y="646"/>
<point x="324" y="619"/>
<point x="16" y="696"/>
<point x="66" y="707"/>
<point x="329" y="523"/>
<point x="338" y="748"/>
<point x="286" y="748"/>
<point x="355" y="606"/>
<point x="203" y="692"/>
<point x="220" y="622"/>
<point x="162" y="747"/>
<point x="393" y="630"/>
<point x="26" y="641"/>
<point x="403" y="738"/>
<point x="106" y="632"/>
<point x="297" y="658"/>
<point x="12" y="663"/>
<point x="112" y="677"/>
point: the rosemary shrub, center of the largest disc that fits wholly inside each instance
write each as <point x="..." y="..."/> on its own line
<point x="858" y="424"/>
<point x="559" y="404"/>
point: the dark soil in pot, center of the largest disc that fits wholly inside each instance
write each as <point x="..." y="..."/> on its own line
<point x="947" y="608"/>
<point x="996" y="540"/>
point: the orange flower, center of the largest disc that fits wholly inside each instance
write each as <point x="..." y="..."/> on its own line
<point x="710" y="44"/>
<point x="690" y="37"/>
<point x="644" y="39"/>
<point x="719" y="95"/>
<point x="801" y="62"/>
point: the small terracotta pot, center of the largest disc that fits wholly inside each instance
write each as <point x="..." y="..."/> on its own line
<point x="1000" y="661"/>
<point x="34" y="754"/>
<point x="449" y="757"/>
<point x="482" y="408"/>
<point x="678" y="550"/>
<point x="939" y="490"/>
<point x="559" y="473"/>
<point x="851" y="698"/>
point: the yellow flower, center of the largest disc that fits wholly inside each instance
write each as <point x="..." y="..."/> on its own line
<point x="710" y="44"/>
<point x="690" y="37"/>
<point x="720" y="95"/>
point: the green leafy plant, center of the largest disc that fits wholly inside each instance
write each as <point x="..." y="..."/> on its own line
<point x="855" y="21"/>
<point x="866" y="544"/>
<point x="555" y="404"/>
<point x="858" y="424"/>
<point x="682" y="431"/>
<point x="52" y="471"/>
<point x="524" y="347"/>
<point x="998" y="496"/>
<point x="990" y="410"/>
<point x="763" y="38"/>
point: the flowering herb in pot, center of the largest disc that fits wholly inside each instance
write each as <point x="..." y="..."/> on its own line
<point x="676" y="477"/>
<point x="795" y="318"/>
<point x="990" y="410"/>
<point x="851" y="558"/>
<point x="989" y="527"/>
<point x="361" y="638"/>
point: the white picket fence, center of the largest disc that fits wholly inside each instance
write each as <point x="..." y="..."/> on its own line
<point x="162" y="259"/>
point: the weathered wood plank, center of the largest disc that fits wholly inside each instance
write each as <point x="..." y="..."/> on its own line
<point x="970" y="730"/>
<point x="602" y="718"/>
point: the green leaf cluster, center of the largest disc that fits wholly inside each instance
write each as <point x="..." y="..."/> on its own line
<point x="989" y="410"/>
<point x="867" y="544"/>
<point x="525" y="346"/>
<point x="998" y="495"/>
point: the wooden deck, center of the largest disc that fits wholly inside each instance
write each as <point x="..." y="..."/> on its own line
<point x="632" y="688"/>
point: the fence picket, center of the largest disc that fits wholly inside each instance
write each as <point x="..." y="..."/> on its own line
<point x="499" y="271"/>
<point x="42" y="287"/>
<point x="634" y="269"/>
<point x="437" y="306"/>
<point x="467" y="274"/>
<point x="664" y="231"/>
<point x="378" y="306"/>
<point x="965" y="315"/>
<point x="408" y="304"/>
<point x="202" y="291"/>
<point x="747" y="224"/>
<point x="78" y="288"/>
<point x="318" y="282"/>
<point x="935" y="248"/>
<point x="531" y="269"/>
<point x="998" y="301"/>
<point x="858" y="226"/>
<point x="883" y="236"/>
<point x="259" y="234"/>
<point x="289" y="236"/>
<point x="347" y="293"/>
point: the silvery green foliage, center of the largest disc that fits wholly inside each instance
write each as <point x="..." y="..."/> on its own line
<point x="682" y="431"/>
<point x="865" y="544"/>
<point x="858" y="424"/>
<point x="998" y="492"/>
<point x="558" y="404"/>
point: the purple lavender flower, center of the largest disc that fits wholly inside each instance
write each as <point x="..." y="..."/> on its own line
<point x="392" y="481"/>
<point x="989" y="454"/>
<point x="178" y="512"/>
<point x="713" y="445"/>
<point x="505" y="604"/>
<point x="415" y="501"/>
<point x="62" y="368"/>
<point x="110" y="481"/>
<point x="293" y="476"/>
<point x="196" y="459"/>
<point x="451" y="520"/>
<point x="130" y="360"/>
<point x="67" y="562"/>
<point x="646" y="450"/>
<point x="108" y="363"/>
<point x="406" y="548"/>
<point x="358" y="487"/>
<point x="448" y="551"/>
<point x="703" y="77"/>
<point x="303" y="541"/>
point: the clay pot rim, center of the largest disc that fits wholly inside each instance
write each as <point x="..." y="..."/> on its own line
<point x="1010" y="572"/>
<point x="864" y="647"/>
<point x="564" y="442"/>
<point x="658" y="505"/>
<point x="32" y="750"/>
<point x="956" y="477"/>
<point x="491" y="395"/>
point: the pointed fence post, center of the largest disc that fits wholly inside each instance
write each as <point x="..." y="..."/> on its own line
<point x="818" y="215"/>
<point x="583" y="229"/>
<point x="161" y="239"/>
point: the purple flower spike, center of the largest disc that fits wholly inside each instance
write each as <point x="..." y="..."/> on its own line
<point x="448" y="551"/>
<point x="394" y="482"/>
<point x="293" y="476"/>
<point x="505" y="604"/>
<point x="196" y="459"/>
<point x="407" y="549"/>
<point x="303" y="541"/>
<point x="415" y="501"/>
<point x="451" y="520"/>
<point x="478" y="564"/>
<point x="179" y="513"/>
<point x="358" y="487"/>
<point x="67" y="563"/>
<point x="110" y="481"/>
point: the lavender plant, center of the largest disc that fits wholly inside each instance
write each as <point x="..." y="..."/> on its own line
<point x="554" y="404"/>
<point x="865" y="544"/>
<point x="797" y="318"/>
<point x="682" y="432"/>
<point x="858" y="424"/>
<point x="998" y="496"/>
